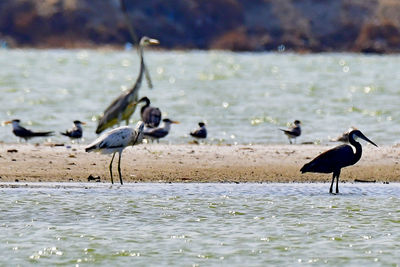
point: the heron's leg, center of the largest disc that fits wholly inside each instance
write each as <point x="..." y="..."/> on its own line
<point x="119" y="168"/>
<point x="337" y="181"/>
<point x="127" y="121"/>
<point x="333" y="179"/>
<point x="290" y="141"/>
<point x="112" y="181"/>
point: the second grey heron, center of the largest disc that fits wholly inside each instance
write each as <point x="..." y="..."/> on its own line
<point x="123" y="106"/>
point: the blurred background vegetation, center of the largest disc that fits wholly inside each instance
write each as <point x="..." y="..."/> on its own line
<point x="239" y="25"/>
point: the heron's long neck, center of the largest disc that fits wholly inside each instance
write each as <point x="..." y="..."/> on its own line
<point x="141" y="71"/>
<point x="358" y="153"/>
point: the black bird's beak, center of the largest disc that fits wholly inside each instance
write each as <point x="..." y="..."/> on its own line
<point x="360" y="135"/>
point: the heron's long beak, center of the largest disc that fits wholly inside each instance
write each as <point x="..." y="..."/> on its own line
<point x="83" y="123"/>
<point x="366" y="139"/>
<point x="176" y="122"/>
<point x="7" y="122"/>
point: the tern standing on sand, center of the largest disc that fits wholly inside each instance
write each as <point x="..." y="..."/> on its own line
<point x="24" y="133"/>
<point x="76" y="132"/>
<point x="200" y="132"/>
<point x="294" y="131"/>
<point x="117" y="140"/>
<point x="160" y="132"/>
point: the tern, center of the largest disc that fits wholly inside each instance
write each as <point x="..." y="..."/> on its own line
<point x="294" y="131"/>
<point x="76" y="131"/>
<point x="160" y="132"/>
<point x="24" y="133"/>
<point x="200" y="132"/>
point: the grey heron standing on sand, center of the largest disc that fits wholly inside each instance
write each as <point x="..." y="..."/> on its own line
<point x="123" y="106"/>
<point x="294" y="131"/>
<point x="76" y="132"/>
<point x="160" y="132"/>
<point x="115" y="141"/>
<point x="151" y="116"/>
<point x="337" y="158"/>
<point x="24" y="133"/>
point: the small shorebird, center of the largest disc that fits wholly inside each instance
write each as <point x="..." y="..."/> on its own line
<point x="115" y="141"/>
<point x="160" y="132"/>
<point x="294" y="131"/>
<point x="337" y="158"/>
<point x="200" y="132"/>
<point x="76" y="131"/>
<point x="123" y="106"/>
<point x="344" y="137"/>
<point x="24" y="133"/>
<point x="151" y="116"/>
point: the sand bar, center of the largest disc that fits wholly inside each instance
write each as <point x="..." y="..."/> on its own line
<point x="189" y="163"/>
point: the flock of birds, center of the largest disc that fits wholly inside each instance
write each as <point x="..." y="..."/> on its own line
<point x="121" y="109"/>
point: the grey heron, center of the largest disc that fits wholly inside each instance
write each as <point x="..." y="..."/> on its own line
<point x="123" y="106"/>
<point x="24" y="133"/>
<point x="293" y="132"/>
<point x="337" y="158"/>
<point x="117" y="140"/>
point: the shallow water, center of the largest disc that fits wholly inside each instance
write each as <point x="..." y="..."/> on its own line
<point x="243" y="97"/>
<point x="199" y="224"/>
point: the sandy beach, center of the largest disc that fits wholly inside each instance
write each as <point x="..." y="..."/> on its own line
<point x="189" y="163"/>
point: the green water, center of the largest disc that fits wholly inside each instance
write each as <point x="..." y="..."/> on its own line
<point x="199" y="225"/>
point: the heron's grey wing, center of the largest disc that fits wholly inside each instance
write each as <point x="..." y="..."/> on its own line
<point x="119" y="137"/>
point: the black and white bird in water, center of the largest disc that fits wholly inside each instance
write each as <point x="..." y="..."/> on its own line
<point x="344" y="138"/>
<point x="24" y="133"/>
<point x="115" y="141"/>
<point x="76" y="132"/>
<point x="337" y="158"/>
<point x="151" y="116"/>
<point x="200" y="132"/>
<point x="293" y="132"/>
<point x="160" y="132"/>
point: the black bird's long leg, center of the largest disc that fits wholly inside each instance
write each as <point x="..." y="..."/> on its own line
<point x="119" y="168"/>
<point x="112" y="181"/>
<point x="333" y="179"/>
<point x="337" y="181"/>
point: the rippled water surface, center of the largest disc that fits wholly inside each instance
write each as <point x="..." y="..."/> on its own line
<point x="199" y="224"/>
<point x="243" y="97"/>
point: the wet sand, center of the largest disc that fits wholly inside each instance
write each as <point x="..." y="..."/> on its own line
<point x="189" y="163"/>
